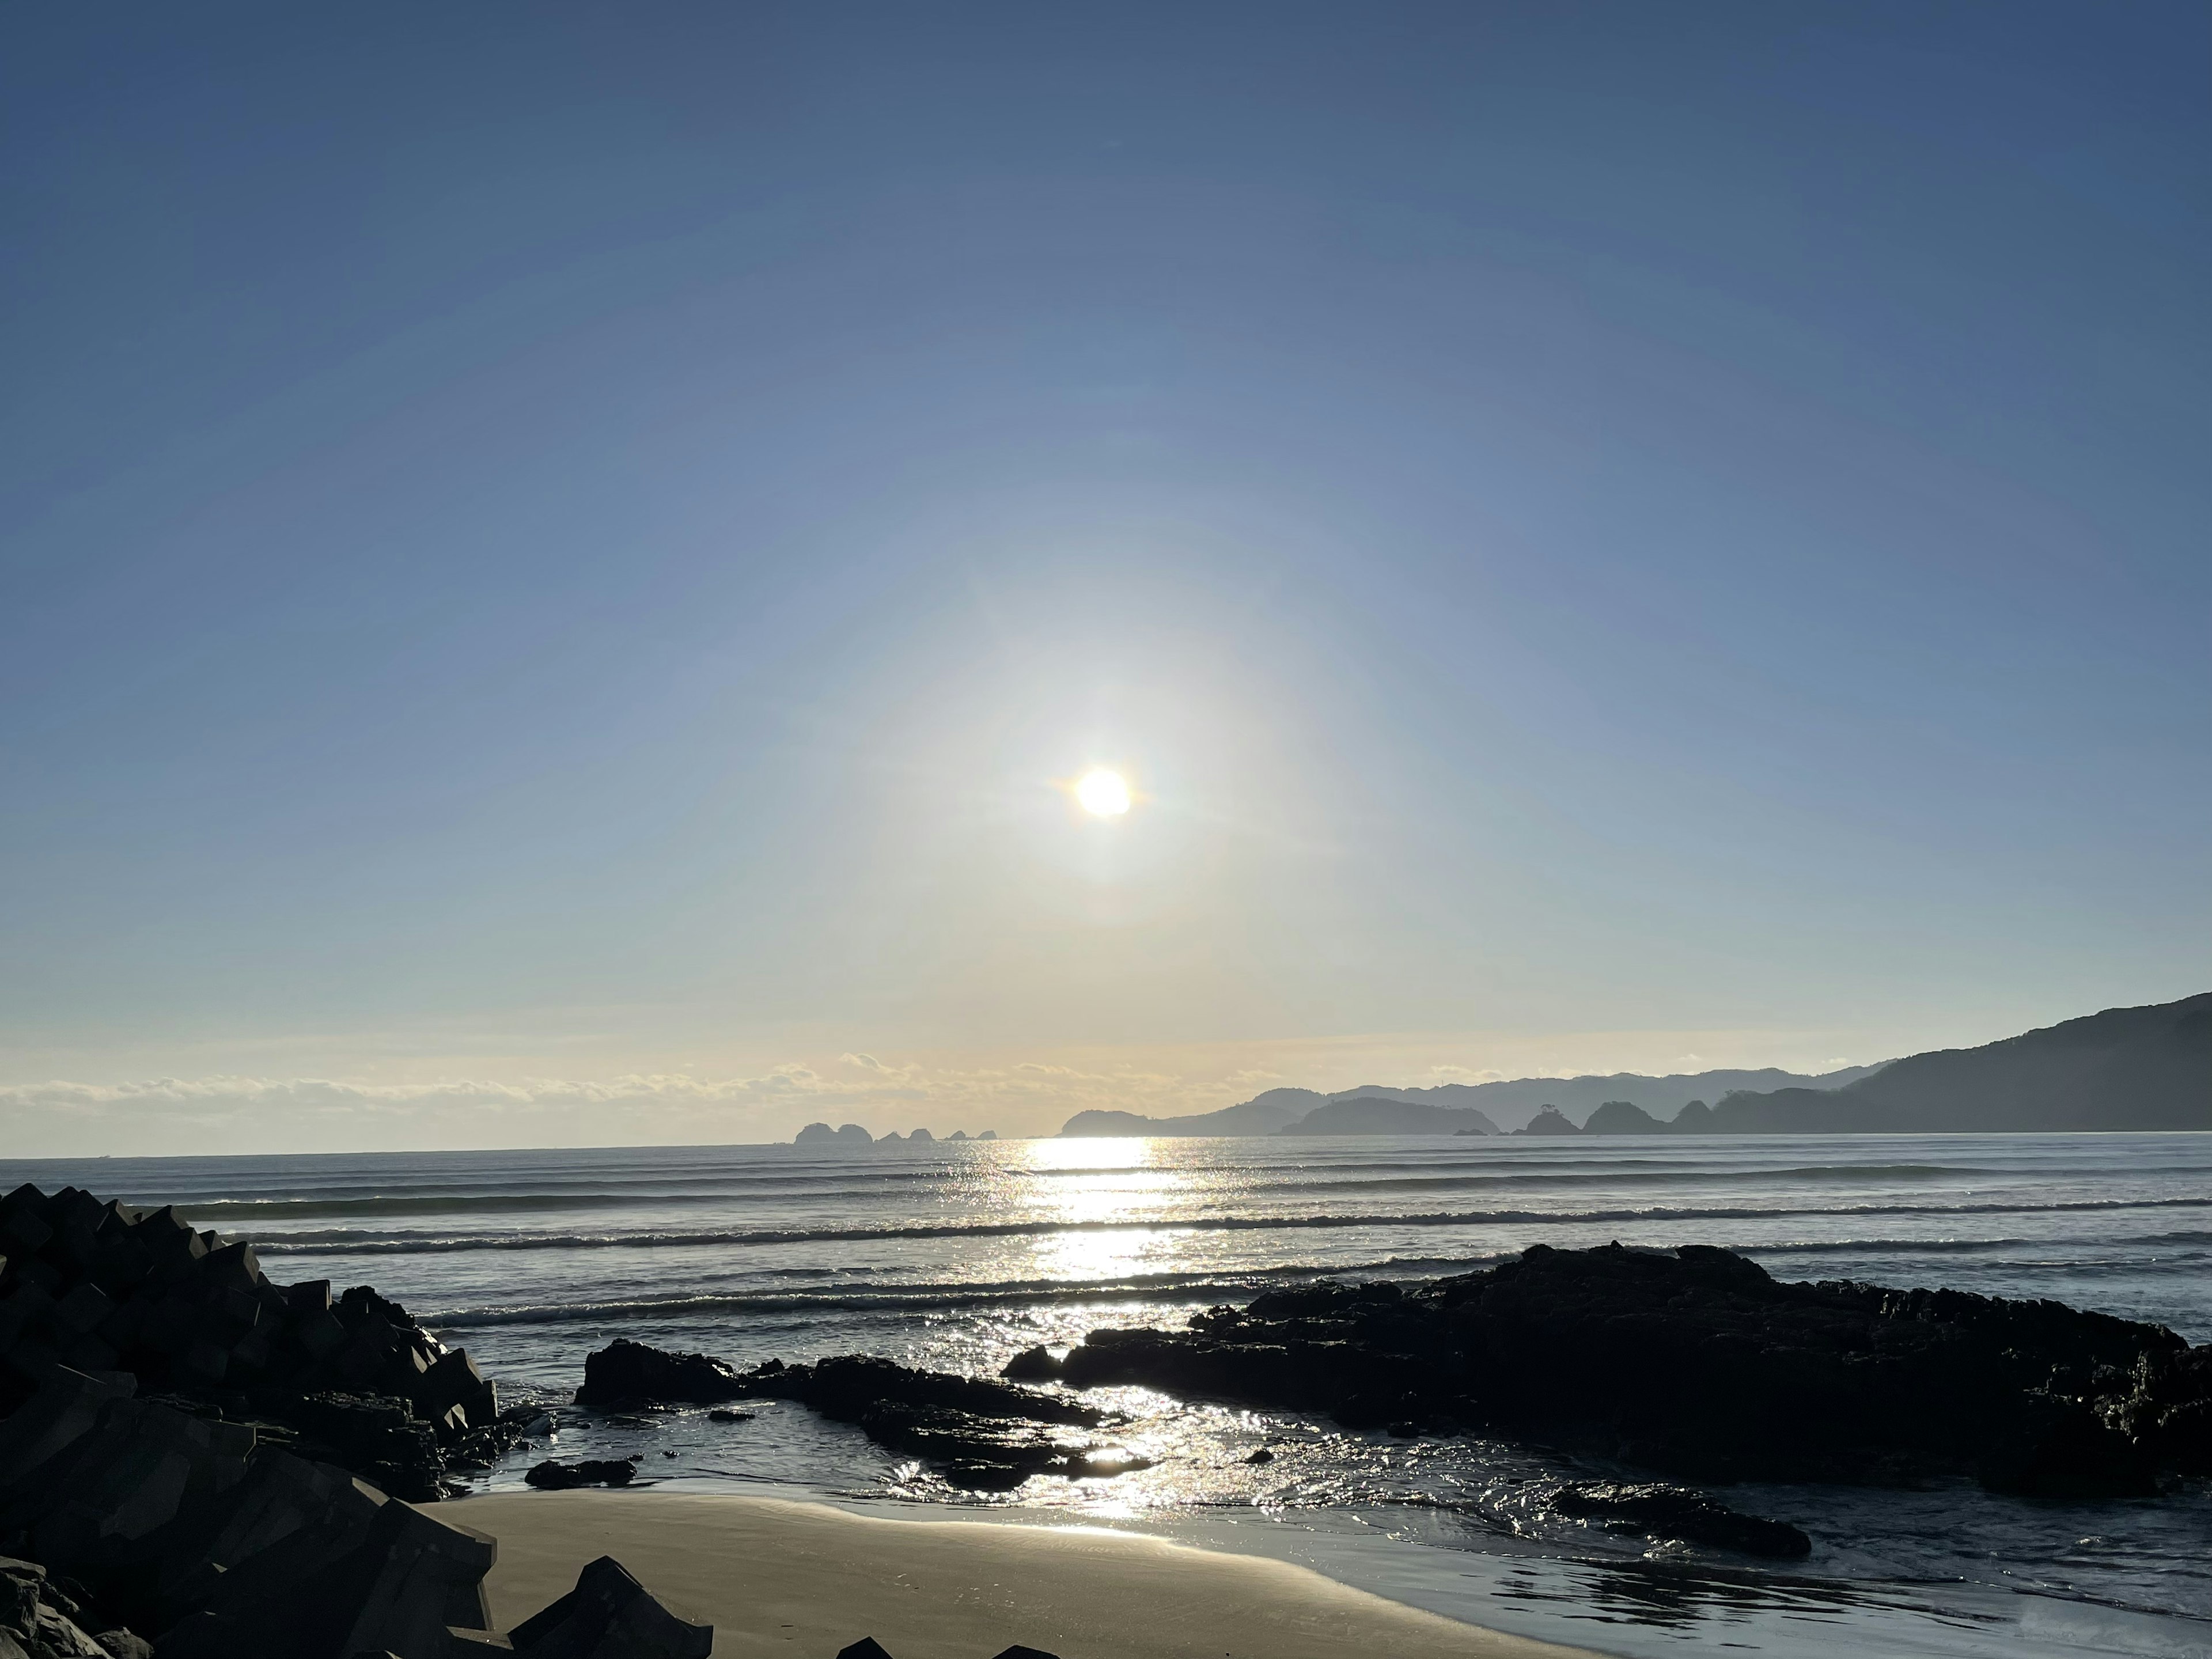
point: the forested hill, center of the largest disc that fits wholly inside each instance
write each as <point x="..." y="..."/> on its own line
<point x="2125" y="1068"/>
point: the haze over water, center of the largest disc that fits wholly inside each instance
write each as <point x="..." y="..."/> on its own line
<point x="957" y="1256"/>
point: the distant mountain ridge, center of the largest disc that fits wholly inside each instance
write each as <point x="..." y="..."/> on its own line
<point x="1500" y="1106"/>
<point x="2124" y="1069"/>
<point x="2135" y="1069"/>
<point x="1382" y="1115"/>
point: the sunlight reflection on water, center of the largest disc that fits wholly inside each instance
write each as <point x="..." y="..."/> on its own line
<point x="958" y="1255"/>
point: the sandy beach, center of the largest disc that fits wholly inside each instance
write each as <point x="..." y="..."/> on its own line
<point x="803" y="1580"/>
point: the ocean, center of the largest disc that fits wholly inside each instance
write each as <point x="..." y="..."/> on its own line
<point x="959" y="1255"/>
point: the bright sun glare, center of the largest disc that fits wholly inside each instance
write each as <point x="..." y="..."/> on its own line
<point x="1103" y="793"/>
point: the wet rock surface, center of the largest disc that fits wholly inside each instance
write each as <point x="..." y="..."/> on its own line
<point x="552" y="1476"/>
<point x="1697" y="1364"/>
<point x="1666" y="1512"/>
<point x="982" y="1435"/>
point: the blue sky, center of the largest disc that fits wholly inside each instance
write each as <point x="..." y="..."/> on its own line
<point x="550" y="561"/>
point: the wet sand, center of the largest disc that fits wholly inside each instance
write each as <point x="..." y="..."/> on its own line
<point x="800" y="1581"/>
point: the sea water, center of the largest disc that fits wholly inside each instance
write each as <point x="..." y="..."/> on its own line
<point x="959" y="1255"/>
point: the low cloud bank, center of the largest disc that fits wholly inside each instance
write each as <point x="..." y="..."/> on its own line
<point x="237" y="1114"/>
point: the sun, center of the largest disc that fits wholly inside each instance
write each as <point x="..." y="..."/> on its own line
<point x="1103" y="793"/>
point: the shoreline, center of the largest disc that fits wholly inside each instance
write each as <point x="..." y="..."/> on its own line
<point x="804" y="1579"/>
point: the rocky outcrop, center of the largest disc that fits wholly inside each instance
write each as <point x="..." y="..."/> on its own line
<point x="984" y="1435"/>
<point x="627" y="1373"/>
<point x="1697" y="1363"/>
<point x="350" y="1380"/>
<point x="1668" y="1512"/>
<point x="553" y="1476"/>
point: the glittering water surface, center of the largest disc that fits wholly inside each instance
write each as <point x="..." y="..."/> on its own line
<point x="957" y="1255"/>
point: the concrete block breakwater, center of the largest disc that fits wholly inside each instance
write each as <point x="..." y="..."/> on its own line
<point x="198" y="1463"/>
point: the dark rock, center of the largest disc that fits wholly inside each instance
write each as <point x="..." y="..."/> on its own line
<point x="192" y="1314"/>
<point x="20" y="1584"/>
<point x="847" y="1387"/>
<point x="850" y="1385"/>
<point x="987" y="1436"/>
<point x="1038" y="1364"/>
<point x="1678" y="1512"/>
<point x="2071" y="1453"/>
<point x="610" y="1615"/>
<point x="1262" y="1455"/>
<point x="1697" y="1364"/>
<point x="309" y="1513"/>
<point x="377" y="1434"/>
<point x="866" y="1648"/>
<point x="140" y="1463"/>
<point x="627" y="1373"/>
<point x="988" y="1454"/>
<point x="971" y="1475"/>
<point x="1018" y="1651"/>
<point x="39" y="1618"/>
<point x="552" y="1476"/>
<point x="67" y="1405"/>
<point x="724" y="1414"/>
<point x="157" y="1389"/>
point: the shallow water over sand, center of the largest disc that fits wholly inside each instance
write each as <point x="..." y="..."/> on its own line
<point x="959" y="1254"/>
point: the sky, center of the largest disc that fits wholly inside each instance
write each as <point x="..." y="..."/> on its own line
<point x="556" y="562"/>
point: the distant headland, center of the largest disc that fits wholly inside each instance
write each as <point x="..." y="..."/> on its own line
<point x="2139" y="1069"/>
